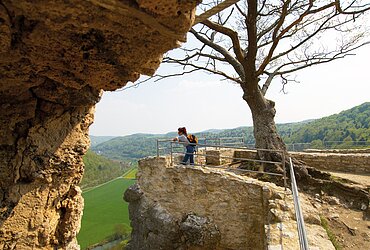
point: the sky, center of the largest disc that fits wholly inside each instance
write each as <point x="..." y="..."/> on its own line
<point x="201" y="102"/>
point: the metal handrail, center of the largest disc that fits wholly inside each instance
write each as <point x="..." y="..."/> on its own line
<point x="221" y="139"/>
<point x="303" y="243"/>
<point x="222" y="146"/>
<point x="282" y="162"/>
<point x="210" y="139"/>
<point x="237" y="158"/>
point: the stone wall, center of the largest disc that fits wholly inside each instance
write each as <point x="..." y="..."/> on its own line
<point x="357" y="163"/>
<point x="56" y="58"/>
<point x="238" y="207"/>
<point x="339" y="151"/>
<point x="348" y="163"/>
<point x="182" y="207"/>
<point x="219" y="157"/>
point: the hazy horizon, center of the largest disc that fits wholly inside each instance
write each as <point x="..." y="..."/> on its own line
<point x="206" y="130"/>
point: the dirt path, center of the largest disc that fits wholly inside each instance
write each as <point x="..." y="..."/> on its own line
<point x="361" y="179"/>
<point x="348" y="227"/>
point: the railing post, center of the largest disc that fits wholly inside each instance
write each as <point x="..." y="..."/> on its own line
<point x="171" y="149"/>
<point x="284" y="169"/>
<point x="157" y="148"/>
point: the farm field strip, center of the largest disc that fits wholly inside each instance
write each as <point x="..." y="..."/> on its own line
<point x="131" y="174"/>
<point x="104" y="209"/>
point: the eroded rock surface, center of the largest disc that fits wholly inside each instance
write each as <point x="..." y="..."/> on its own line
<point x="179" y="207"/>
<point x="156" y="228"/>
<point x="55" y="59"/>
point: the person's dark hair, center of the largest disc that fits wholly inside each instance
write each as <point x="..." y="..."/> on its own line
<point x="182" y="130"/>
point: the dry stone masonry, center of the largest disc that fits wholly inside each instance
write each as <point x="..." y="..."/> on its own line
<point x="356" y="163"/>
<point x="56" y="57"/>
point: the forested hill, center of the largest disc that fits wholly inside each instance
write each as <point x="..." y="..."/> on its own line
<point x="136" y="146"/>
<point x="95" y="140"/>
<point x="131" y="147"/>
<point x="99" y="169"/>
<point x="349" y="125"/>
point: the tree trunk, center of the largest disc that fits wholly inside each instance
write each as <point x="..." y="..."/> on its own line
<point x="264" y="128"/>
<point x="267" y="137"/>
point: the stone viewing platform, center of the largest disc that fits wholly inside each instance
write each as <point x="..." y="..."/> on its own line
<point x="174" y="206"/>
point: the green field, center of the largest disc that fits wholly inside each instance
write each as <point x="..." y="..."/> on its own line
<point x="104" y="208"/>
<point x="131" y="174"/>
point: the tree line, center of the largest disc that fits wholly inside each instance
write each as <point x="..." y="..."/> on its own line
<point x="344" y="128"/>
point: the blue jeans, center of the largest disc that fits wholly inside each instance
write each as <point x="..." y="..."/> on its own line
<point x="189" y="155"/>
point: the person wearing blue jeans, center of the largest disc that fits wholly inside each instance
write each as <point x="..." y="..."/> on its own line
<point x="189" y="155"/>
<point x="190" y="149"/>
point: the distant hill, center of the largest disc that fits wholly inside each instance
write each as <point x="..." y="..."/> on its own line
<point x="136" y="146"/>
<point x="99" y="169"/>
<point x="128" y="148"/>
<point x="346" y="127"/>
<point x="350" y="125"/>
<point x="95" y="140"/>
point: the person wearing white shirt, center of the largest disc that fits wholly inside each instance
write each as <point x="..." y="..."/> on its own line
<point x="190" y="149"/>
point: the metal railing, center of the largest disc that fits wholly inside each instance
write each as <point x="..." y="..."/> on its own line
<point x="225" y="141"/>
<point x="171" y="148"/>
<point x="303" y="243"/>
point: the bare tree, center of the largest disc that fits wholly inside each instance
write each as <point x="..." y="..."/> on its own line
<point x="257" y="41"/>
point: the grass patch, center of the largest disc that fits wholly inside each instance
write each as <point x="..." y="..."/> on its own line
<point x="340" y="180"/>
<point x="131" y="174"/>
<point x="331" y="235"/>
<point x="104" y="209"/>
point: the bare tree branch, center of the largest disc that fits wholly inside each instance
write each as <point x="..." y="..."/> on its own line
<point x="228" y="57"/>
<point x="359" y="9"/>
<point x="276" y="38"/>
<point x="203" y="68"/>
<point x="269" y="39"/>
<point x="263" y="40"/>
<point x="251" y="23"/>
<point x="299" y="65"/>
<point x="230" y="33"/>
<point x="268" y="81"/>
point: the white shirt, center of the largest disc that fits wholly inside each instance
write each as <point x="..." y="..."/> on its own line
<point x="183" y="139"/>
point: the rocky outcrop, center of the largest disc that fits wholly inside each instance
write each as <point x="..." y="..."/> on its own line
<point x="55" y="59"/>
<point x="180" y="207"/>
<point x="155" y="228"/>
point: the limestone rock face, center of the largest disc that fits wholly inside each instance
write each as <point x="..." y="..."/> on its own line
<point x="179" y="207"/>
<point x="56" y="57"/>
<point x="155" y="228"/>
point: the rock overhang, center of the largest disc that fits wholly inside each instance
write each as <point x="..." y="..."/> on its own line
<point x="55" y="59"/>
